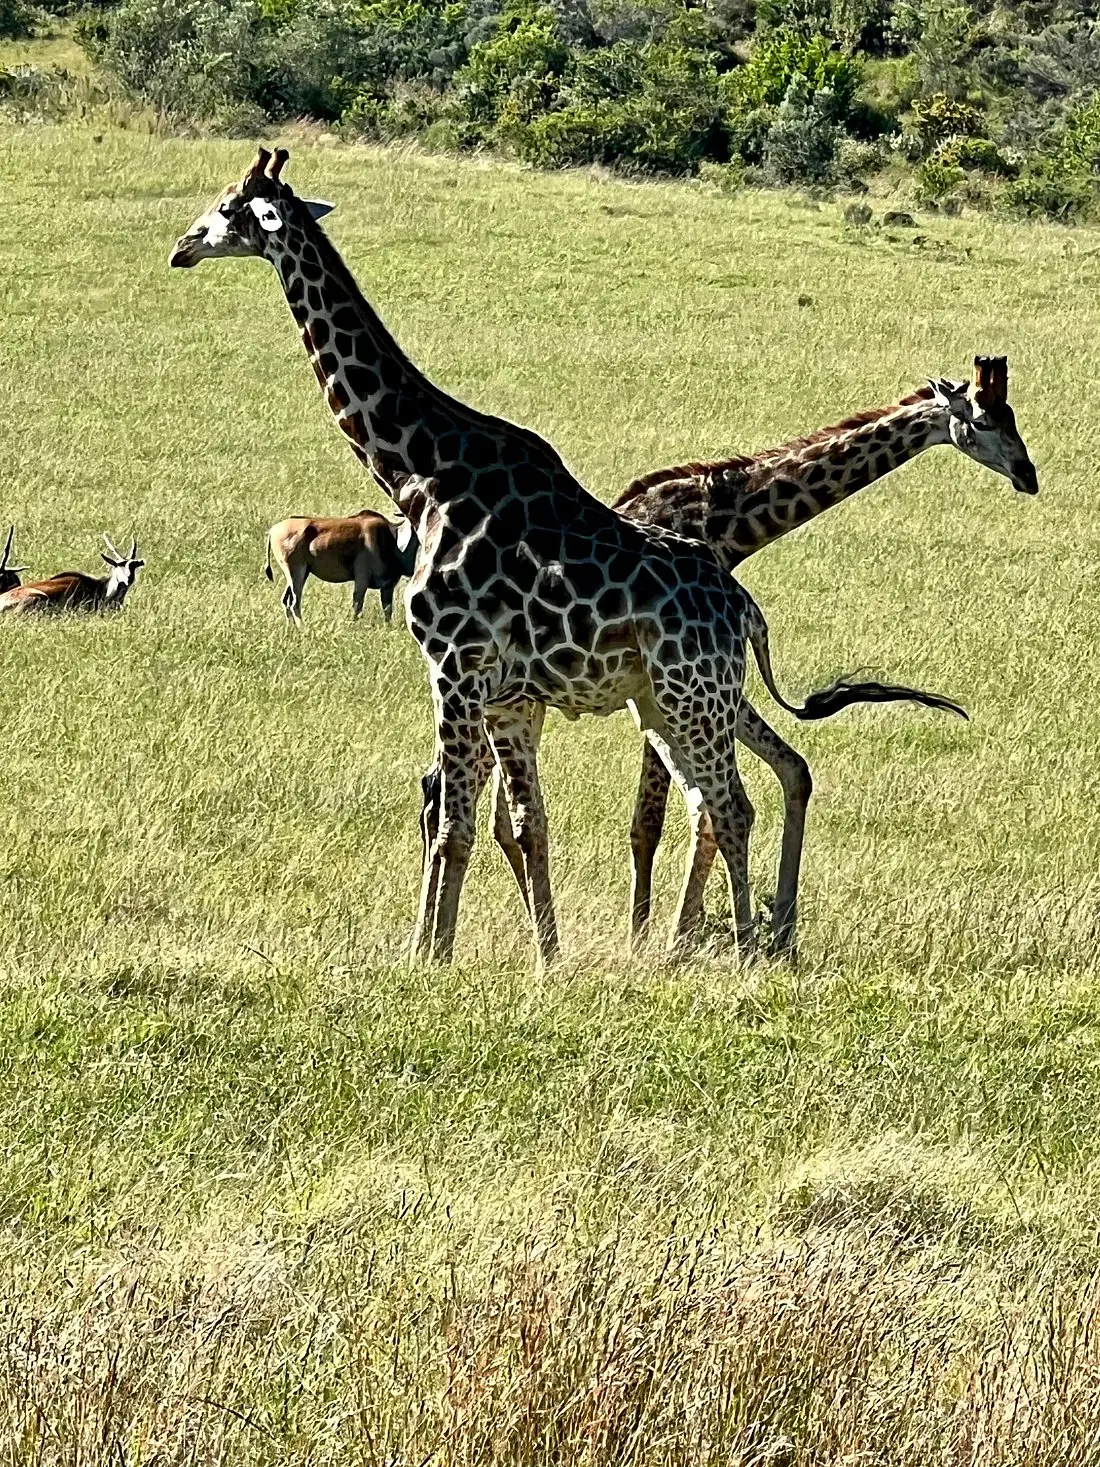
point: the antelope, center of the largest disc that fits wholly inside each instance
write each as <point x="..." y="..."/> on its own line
<point x="365" y="548"/>
<point x="75" y="591"/>
<point x="9" y="574"/>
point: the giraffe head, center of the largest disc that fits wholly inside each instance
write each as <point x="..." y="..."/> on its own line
<point x="249" y="218"/>
<point x="983" y="426"/>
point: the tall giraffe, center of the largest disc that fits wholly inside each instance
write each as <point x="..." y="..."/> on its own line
<point x="739" y="506"/>
<point x="528" y="591"/>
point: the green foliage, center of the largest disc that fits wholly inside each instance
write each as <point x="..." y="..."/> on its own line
<point x="657" y="85"/>
<point x="517" y="73"/>
<point x="781" y="59"/>
<point x="863" y="25"/>
<point x="973" y="154"/>
<point x="802" y="141"/>
<point x="189" y="58"/>
<point x="937" y="179"/>
<point x="939" y="117"/>
<point x="1046" y="191"/>
<point x="16" y="19"/>
<point x="1079" y="148"/>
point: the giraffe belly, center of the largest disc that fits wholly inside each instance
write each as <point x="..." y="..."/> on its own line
<point x="575" y="682"/>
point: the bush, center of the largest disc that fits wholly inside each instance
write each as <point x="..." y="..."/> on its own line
<point x="974" y="155"/>
<point x="16" y="19"/>
<point x="779" y="60"/>
<point x="936" y="180"/>
<point x="1049" y="193"/>
<point x="189" y="58"/>
<point x="802" y="142"/>
<point x="517" y="72"/>
<point x="857" y="160"/>
<point x="854" y="25"/>
<point x="408" y="111"/>
<point x="939" y="117"/>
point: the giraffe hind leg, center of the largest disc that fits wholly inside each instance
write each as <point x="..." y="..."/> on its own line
<point x="646" y="827"/>
<point x="505" y="837"/>
<point x="793" y="774"/>
<point x="720" y="811"/>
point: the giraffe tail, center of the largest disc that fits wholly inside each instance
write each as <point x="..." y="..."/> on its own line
<point x="840" y="694"/>
<point x="267" y="563"/>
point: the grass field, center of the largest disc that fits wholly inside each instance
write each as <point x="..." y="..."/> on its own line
<point x="267" y="1195"/>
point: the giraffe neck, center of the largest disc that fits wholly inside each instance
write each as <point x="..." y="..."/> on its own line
<point x="397" y="421"/>
<point x="756" y="501"/>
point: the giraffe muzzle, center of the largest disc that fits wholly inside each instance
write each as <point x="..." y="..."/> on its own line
<point x="183" y="256"/>
<point x="1025" y="480"/>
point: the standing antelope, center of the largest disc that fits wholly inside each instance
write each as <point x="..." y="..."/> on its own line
<point x="9" y="574"/>
<point x="75" y="591"/>
<point x="365" y="548"/>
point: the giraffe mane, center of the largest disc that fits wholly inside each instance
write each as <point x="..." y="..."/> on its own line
<point x="745" y="462"/>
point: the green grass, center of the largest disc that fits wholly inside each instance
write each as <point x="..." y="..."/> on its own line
<point x="268" y="1195"/>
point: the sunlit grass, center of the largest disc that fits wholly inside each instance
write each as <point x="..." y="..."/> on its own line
<point x="251" y="1153"/>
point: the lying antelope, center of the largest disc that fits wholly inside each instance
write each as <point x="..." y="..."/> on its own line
<point x="365" y="548"/>
<point x="75" y="591"/>
<point x="9" y="574"/>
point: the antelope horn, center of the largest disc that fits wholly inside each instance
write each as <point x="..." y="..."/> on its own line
<point x="7" y="549"/>
<point x="133" y="547"/>
<point x="278" y="163"/>
<point x="111" y="546"/>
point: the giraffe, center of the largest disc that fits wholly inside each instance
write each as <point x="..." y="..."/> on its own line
<point x="740" y="505"/>
<point x="528" y="591"/>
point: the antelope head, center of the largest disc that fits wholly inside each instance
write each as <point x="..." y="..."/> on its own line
<point x="124" y="569"/>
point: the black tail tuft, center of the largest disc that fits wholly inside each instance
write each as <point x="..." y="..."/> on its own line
<point x="267" y="573"/>
<point x="843" y="693"/>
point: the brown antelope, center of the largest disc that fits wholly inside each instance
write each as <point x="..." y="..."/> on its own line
<point x="365" y="548"/>
<point x="75" y="591"/>
<point x="9" y="574"/>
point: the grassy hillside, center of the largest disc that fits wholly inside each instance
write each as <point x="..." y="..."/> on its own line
<point x="269" y="1196"/>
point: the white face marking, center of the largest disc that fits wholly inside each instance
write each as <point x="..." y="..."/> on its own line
<point x="269" y="217"/>
<point x="215" y="225"/>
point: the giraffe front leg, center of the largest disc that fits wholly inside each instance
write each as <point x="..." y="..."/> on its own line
<point x="515" y="739"/>
<point x="646" y="827"/>
<point x="486" y="767"/>
<point x="460" y="738"/>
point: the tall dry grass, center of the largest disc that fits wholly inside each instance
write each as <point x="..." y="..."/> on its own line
<point x="841" y="1348"/>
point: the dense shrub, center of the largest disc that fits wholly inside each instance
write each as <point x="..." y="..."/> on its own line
<point x="986" y="99"/>
<point x="939" y="117"/>
<point x="15" y="19"/>
<point x="973" y="155"/>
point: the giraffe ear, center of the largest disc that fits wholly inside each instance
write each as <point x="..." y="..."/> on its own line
<point x="266" y="212"/>
<point x="318" y="208"/>
<point x="950" y="395"/>
<point x="404" y="535"/>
